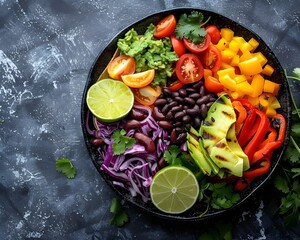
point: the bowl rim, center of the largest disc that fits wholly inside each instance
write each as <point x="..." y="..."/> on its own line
<point x="132" y="200"/>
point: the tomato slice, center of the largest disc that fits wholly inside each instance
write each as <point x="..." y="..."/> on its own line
<point x="211" y="58"/>
<point x="165" y="27"/>
<point x="177" y="45"/>
<point x="146" y="95"/>
<point x="139" y="80"/>
<point x="214" y="33"/>
<point x="121" y="65"/>
<point x="212" y="84"/>
<point x="176" y="86"/>
<point x="189" y="68"/>
<point x="197" y="48"/>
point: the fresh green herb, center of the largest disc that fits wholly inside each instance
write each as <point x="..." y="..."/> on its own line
<point x="190" y="26"/>
<point x="121" y="142"/>
<point x="220" y="231"/>
<point x="149" y="53"/>
<point x="120" y="217"/>
<point x="286" y="180"/>
<point x="65" y="166"/>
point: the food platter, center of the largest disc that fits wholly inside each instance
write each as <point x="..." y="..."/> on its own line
<point x="101" y="62"/>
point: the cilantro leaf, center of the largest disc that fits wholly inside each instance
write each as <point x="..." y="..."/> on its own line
<point x="171" y="156"/>
<point x="189" y="26"/>
<point x="296" y="73"/>
<point x="296" y="129"/>
<point x="65" y="166"/>
<point x="120" y="217"/>
<point x="281" y="183"/>
<point x="220" y="230"/>
<point x="121" y="142"/>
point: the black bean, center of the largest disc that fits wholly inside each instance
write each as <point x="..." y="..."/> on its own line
<point x="97" y="141"/>
<point x="162" y="163"/>
<point x="178" y="99"/>
<point x="179" y="114"/>
<point x="193" y="111"/>
<point x="165" y="124"/>
<point x="202" y="91"/>
<point x="165" y="109"/>
<point x="203" y="110"/>
<point x="186" y="119"/>
<point x="208" y="105"/>
<point x="189" y="101"/>
<point x="191" y="90"/>
<point x="169" y="115"/>
<point x="170" y="99"/>
<point x="138" y="115"/>
<point x="202" y="100"/>
<point x="173" y="104"/>
<point x="173" y="136"/>
<point x="177" y="124"/>
<point x="181" y="138"/>
<point x="146" y="141"/>
<point x="132" y="124"/>
<point x="182" y="92"/>
<point x="166" y="92"/>
<point x="157" y="114"/>
<point x="180" y="129"/>
<point x="197" y="122"/>
<point x="195" y="96"/>
<point x="198" y="84"/>
<point x="160" y="102"/>
<point x="175" y="94"/>
<point x="176" y="109"/>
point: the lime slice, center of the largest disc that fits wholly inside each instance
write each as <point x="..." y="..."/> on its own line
<point x="174" y="189"/>
<point x="109" y="100"/>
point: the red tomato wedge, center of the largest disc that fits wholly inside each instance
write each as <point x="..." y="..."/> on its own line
<point x="176" y="86"/>
<point x="211" y="58"/>
<point x="121" y="65"/>
<point x="189" y="68"/>
<point x="165" y="27"/>
<point x="214" y="33"/>
<point x="197" y="48"/>
<point x="212" y="84"/>
<point x="146" y="95"/>
<point x="177" y="45"/>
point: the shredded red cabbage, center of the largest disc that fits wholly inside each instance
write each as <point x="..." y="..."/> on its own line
<point x="133" y="170"/>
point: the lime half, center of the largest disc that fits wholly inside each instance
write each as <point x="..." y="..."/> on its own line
<point x="174" y="189"/>
<point x="109" y="100"/>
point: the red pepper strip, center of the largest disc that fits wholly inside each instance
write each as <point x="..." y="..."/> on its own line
<point x="246" y="104"/>
<point x="243" y="136"/>
<point x="260" y="168"/>
<point x="262" y="129"/>
<point x="278" y="121"/>
<point x="241" y="115"/>
<point x="242" y="183"/>
<point x="270" y="137"/>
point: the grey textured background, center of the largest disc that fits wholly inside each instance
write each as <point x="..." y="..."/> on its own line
<point x="46" y="51"/>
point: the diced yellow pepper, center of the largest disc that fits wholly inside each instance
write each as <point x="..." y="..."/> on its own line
<point x="222" y="44"/>
<point x="236" y="95"/>
<point x="246" y="47"/>
<point x="227" y="34"/>
<point x="235" y="60"/>
<point x="254" y="43"/>
<point x="271" y="87"/>
<point x="270" y="112"/>
<point x="244" y="88"/>
<point x="250" y="67"/>
<point x="225" y="65"/>
<point x="253" y="100"/>
<point x="230" y="71"/>
<point x="262" y="59"/>
<point x="240" y="78"/>
<point x="268" y="70"/>
<point x="227" y="81"/>
<point x="227" y="55"/>
<point x="266" y="99"/>
<point x="246" y="56"/>
<point x="258" y="85"/>
<point x="238" y="39"/>
<point x="275" y="103"/>
<point x="234" y="46"/>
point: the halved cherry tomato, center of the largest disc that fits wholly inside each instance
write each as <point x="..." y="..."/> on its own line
<point x="189" y="68"/>
<point x="146" y="95"/>
<point x="178" y="46"/>
<point x="121" y="65"/>
<point x="139" y="80"/>
<point x="165" y="27"/>
<point x="211" y="58"/>
<point x="214" y="33"/>
<point x="212" y="84"/>
<point x="176" y="86"/>
<point x="197" y="48"/>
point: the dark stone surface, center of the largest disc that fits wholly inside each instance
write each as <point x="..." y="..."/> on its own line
<point x="46" y="51"/>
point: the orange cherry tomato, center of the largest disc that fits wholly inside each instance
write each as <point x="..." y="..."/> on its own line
<point x="214" y="33"/>
<point x="212" y="84"/>
<point x="211" y="58"/>
<point x="176" y="86"/>
<point x="197" y="48"/>
<point x="121" y="65"/>
<point x="178" y="46"/>
<point x="165" y="27"/>
<point x="189" y="68"/>
<point x="139" y="80"/>
<point x="146" y="95"/>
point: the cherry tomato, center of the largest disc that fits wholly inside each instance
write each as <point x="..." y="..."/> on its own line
<point x="212" y="84"/>
<point x="189" y="68"/>
<point x="197" y="48"/>
<point x="121" y="65"/>
<point x="214" y="33"/>
<point x="146" y="95"/>
<point x="176" y="85"/>
<point x="165" y="27"/>
<point x="178" y="46"/>
<point x="211" y="58"/>
<point x="139" y="80"/>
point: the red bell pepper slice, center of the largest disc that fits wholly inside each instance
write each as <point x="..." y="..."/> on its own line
<point x="244" y="134"/>
<point x="241" y="114"/>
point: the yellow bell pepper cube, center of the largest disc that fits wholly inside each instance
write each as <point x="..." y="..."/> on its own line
<point x="238" y="39"/>
<point x="266" y="99"/>
<point x="246" y="56"/>
<point x="258" y="85"/>
<point x="227" y="55"/>
<point x="225" y="65"/>
<point x="227" y="82"/>
<point x="222" y="44"/>
<point x="246" y="47"/>
<point x="268" y="70"/>
<point x="234" y="46"/>
<point x="271" y="87"/>
<point x="270" y="112"/>
<point x="236" y="95"/>
<point x="251" y="66"/>
<point x="254" y="43"/>
<point x="227" y="34"/>
<point x="253" y="100"/>
<point x="235" y="60"/>
<point x="240" y="78"/>
<point x="275" y="103"/>
<point x="263" y="60"/>
<point x="230" y="71"/>
<point x="244" y="88"/>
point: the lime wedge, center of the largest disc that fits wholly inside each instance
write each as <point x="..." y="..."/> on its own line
<point x="109" y="100"/>
<point x="174" y="189"/>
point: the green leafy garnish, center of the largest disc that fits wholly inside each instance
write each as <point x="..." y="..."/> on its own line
<point x="120" y="217"/>
<point x="65" y="166"/>
<point x="121" y="142"/>
<point x="190" y="26"/>
<point x="287" y="181"/>
<point x="220" y="231"/>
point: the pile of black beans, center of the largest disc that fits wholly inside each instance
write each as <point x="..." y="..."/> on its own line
<point x="178" y="110"/>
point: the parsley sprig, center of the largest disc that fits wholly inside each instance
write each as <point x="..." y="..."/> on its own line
<point x="287" y="181"/>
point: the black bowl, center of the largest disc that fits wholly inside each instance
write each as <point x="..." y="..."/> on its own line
<point x="278" y="76"/>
